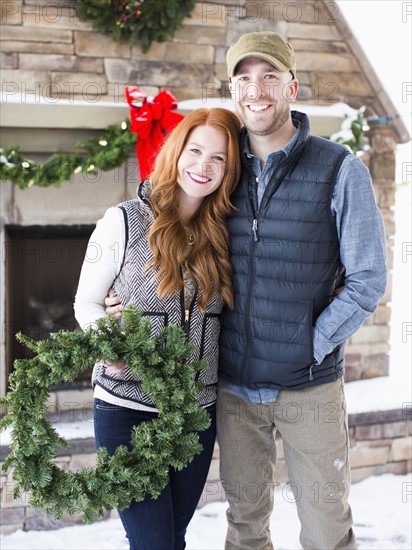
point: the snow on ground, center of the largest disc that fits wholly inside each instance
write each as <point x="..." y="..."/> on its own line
<point x="382" y="510"/>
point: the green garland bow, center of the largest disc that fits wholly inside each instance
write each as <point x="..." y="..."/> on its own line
<point x="105" y="153"/>
<point x="169" y="440"/>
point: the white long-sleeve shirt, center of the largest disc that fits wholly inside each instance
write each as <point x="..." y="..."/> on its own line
<point x="101" y="266"/>
<point x="102" y="263"/>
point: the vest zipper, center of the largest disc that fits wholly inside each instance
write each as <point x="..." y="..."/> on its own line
<point x="186" y="312"/>
<point x="255" y="229"/>
<point x="187" y="317"/>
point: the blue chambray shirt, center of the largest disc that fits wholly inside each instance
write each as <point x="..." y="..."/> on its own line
<point x="361" y="234"/>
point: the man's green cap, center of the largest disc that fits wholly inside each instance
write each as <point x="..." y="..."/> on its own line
<point x="266" y="45"/>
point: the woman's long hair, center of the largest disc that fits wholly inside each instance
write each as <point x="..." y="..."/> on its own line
<point x="208" y="258"/>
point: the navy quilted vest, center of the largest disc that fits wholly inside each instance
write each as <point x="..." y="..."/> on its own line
<point x="286" y="265"/>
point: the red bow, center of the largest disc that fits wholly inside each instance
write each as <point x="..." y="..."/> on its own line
<point x="151" y="120"/>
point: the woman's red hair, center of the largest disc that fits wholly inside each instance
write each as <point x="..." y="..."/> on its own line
<point x="208" y="258"/>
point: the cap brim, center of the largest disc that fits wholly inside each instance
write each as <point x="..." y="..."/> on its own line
<point x="275" y="62"/>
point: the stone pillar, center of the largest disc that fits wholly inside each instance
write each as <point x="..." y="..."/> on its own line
<point x="367" y="352"/>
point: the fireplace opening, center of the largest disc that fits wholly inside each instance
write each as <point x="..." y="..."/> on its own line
<point x="43" y="266"/>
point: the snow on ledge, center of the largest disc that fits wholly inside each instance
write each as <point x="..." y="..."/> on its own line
<point x="32" y="111"/>
<point x="339" y="109"/>
<point x="385" y="393"/>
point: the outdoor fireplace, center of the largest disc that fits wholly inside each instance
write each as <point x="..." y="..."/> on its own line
<point x="42" y="267"/>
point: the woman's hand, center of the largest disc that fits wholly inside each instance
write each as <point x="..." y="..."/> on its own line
<point x="117" y="368"/>
<point x="113" y="305"/>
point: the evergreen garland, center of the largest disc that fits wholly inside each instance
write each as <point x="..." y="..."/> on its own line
<point x="104" y="153"/>
<point x="353" y="132"/>
<point x="135" y="21"/>
<point x="169" y="440"/>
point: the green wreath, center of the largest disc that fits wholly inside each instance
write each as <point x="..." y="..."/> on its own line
<point x="136" y="21"/>
<point x="169" y="440"/>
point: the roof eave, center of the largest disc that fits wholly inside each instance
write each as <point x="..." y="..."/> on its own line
<point x="383" y="104"/>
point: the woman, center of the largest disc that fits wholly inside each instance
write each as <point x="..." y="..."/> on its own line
<point x="167" y="252"/>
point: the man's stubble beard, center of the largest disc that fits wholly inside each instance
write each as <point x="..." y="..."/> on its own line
<point x="268" y="127"/>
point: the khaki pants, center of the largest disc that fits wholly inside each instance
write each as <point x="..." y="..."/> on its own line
<point x="313" y="426"/>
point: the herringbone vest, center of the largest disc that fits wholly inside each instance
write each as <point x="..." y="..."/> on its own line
<point x="134" y="286"/>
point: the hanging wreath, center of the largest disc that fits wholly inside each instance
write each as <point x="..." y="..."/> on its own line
<point x="169" y="440"/>
<point x="136" y="21"/>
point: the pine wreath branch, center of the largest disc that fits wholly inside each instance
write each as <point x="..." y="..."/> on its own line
<point x="169" y="440"/>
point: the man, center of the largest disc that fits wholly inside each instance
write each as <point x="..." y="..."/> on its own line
<point x="306" y="223"/>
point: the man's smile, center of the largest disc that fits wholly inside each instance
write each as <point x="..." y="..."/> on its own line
<point x="258" y="108"/>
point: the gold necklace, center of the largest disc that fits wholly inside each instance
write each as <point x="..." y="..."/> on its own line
<point x="189" y="237"/>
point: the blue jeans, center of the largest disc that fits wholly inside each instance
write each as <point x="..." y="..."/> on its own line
<point x="156" y="524"/>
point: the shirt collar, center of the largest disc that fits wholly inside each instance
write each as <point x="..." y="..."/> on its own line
<point x="286" y="150"/>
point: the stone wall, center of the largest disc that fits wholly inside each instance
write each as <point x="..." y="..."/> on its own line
<point x="367" y="351"/>
<point x="48" y="53"/>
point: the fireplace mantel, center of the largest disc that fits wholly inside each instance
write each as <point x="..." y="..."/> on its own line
<point x="40" y="126"/>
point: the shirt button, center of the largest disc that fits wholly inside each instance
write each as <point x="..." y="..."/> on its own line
<point x="257" y="180"/>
